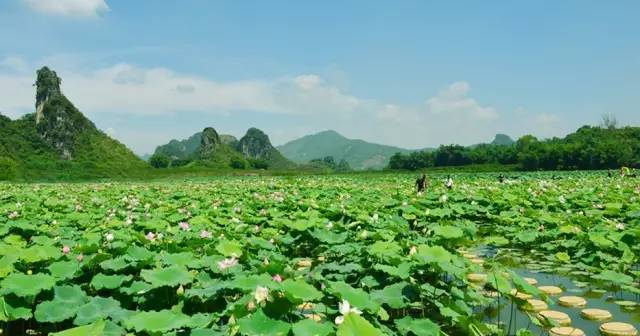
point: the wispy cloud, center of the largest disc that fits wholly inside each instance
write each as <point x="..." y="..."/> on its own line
<point x="121" y="91"/>
<point x="73" y="8"/>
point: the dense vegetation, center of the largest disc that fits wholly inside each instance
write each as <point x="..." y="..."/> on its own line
<point x="587" y="148"/>
<point x="346" y="255"/>
<point x="220" y="151"/>
<point x="24" y="154"/>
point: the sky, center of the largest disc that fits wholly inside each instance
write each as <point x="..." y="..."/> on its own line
<point x="408" y="73"/>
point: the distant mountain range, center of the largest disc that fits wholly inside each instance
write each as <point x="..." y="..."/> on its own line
<point x="359" y="154"/>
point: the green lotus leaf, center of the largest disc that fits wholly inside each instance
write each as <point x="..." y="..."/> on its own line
<point x="308" y="327"/>
<point x="26" y="285"/>
<point x="432" y="254"/>
<point x="356" y="325"/>
<point x="391" y="295"/>
<point x="229" y="248"/>
<point x="499" y="282"/>
<point x="11" y="310"/>
<point x="357" y="297"/>
<point x="258" y="324"/>
<point x="138" y="253"/>
<point x="402" y="271"/>
<point x="156" y="321"/>
<point x="419" y="327"/>
<point x="115" y="264"/>
<point x="6" y="264"/>
<point x="181" y="259"/>
<point x="614" y="277"/>
<point x="64" y="270"/>
<point x="39" y="253"/>
<point x="169" y="276"/>
<point x="102" y="281"/>
<point x="448" y="232"/>
<point x="95" y="329"/>
<point x="97" y="308"/>
<point x="137" y="288"/>
<point x="54" y="311"/>
<point x="563" y="256"/>
<point x="300" y="290"/>
<point x="385" y="249"/>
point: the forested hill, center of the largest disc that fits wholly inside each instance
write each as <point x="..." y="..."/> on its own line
<point x="221" y="151"/>
<point x="359" y="154"/>
<point x="58" y="141"/>
<point x="587" y="148"/>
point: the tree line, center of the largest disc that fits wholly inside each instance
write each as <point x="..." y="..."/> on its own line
<point x="587" y="148"/>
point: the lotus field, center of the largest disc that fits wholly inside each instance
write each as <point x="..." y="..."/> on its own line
<point x="326" y="255"/>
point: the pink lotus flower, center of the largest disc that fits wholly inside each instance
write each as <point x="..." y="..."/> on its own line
<point x="80" y="257"/>
<point x="66" y="249"/>
<point x="277" y="278"/>
<point x="184" y="226"/>
<point x="206" y="234"/>
<point x="151" y="236"/>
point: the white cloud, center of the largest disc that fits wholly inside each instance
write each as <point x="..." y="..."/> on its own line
<point x="454" y="100"/>
<point x="75" y="8"/>
<point x="123" y="90"/>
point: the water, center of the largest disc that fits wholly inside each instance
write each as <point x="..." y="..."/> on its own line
<point x="601" y="298"/>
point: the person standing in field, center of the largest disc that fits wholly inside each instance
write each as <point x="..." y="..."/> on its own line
<point x="449" y="182"/>
<point x="421" y="183"/>
<point x="624" y="171"/>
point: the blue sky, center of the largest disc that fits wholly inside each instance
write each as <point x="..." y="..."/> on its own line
<point x="409" y="73"/>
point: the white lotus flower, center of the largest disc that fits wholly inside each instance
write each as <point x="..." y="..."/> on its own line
<point x="345" y="308"/>
<point x="413" y="250"/>
<point x="561" y="199"/>
<point x="620" y="226"/>
<point x="261" y="294"/>
<point x="109" y="237"/>
<point x="227" y="263"/>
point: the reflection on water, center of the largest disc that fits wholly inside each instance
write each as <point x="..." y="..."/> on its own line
<point x="573" y="282"/>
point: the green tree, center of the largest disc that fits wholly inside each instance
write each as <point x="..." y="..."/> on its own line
<point x="159" y="161"/>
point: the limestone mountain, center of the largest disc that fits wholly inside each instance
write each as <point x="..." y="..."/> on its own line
<point x="255" y="145"/>
<point x="502" y="139"/>
<point x="211" y="149"/>
<point x="359" y="154"/>
<point x="215" y="152"/>
<point x="189" y="148"/>
<point x="58" y="141"/>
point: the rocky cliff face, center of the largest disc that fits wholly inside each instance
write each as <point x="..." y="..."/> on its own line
<point x="58" y="122"/>
<point x="255" y="145"/>
<point x="209" y="143"/>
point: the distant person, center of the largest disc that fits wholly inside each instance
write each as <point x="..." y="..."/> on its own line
<point x="501" y="178"/>
<point x="421" y="183"/>
<point x="449" y="182"/>
<point x="610" y="173"/>
<point x="624" y="171"/>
